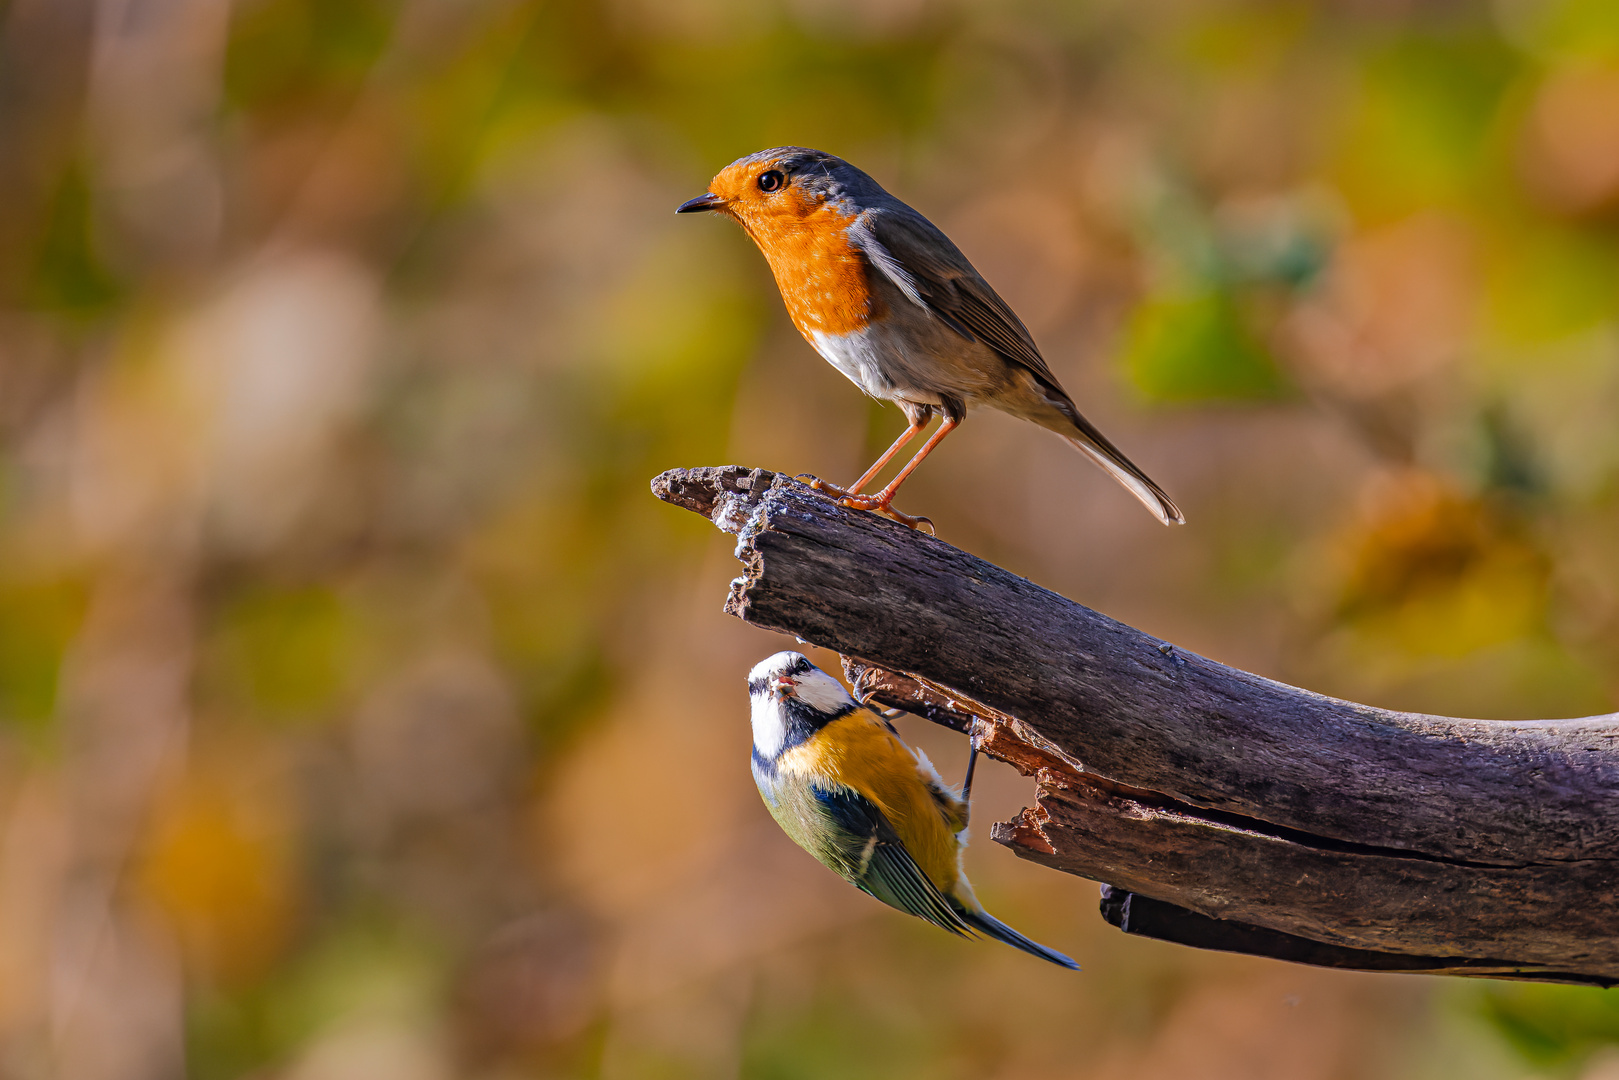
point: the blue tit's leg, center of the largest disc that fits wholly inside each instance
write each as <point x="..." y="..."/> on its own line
<point x="967" y="784"/>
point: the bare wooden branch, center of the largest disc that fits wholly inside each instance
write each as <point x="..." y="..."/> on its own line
<point x="1225" y="809"/>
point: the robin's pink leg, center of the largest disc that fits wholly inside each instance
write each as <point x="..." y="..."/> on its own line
<point x="888" y="455"/>
<point x="880" y="501"/>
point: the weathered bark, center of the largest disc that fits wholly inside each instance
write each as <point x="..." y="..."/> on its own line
<point x="1255" y="816"/>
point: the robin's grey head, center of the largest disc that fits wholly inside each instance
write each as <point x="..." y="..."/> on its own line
<point x="786" y="182"/>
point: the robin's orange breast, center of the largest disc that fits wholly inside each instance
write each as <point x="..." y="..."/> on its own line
<point x="822" y="277"/>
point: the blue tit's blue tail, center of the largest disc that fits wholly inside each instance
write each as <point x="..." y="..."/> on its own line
<point x="990" y="926"/>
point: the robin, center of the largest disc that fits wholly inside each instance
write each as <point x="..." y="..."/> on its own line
<point x="888" y="300"/>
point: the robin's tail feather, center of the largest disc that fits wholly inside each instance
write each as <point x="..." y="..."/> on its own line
<point x="1094" y="445"/>
<point x="990" y="926"/>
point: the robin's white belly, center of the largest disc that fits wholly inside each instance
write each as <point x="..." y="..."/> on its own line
<point x="874" y="360"/>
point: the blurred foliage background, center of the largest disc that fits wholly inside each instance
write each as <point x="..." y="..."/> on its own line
<point x="361" y="714"/>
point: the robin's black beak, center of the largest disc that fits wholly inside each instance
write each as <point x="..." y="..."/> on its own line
<point x="704" y="201"/>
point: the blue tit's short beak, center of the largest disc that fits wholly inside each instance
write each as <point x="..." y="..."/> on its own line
<point x="704" y="201"/>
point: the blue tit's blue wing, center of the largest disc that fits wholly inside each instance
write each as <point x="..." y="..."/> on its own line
<point x="883" y="867"/>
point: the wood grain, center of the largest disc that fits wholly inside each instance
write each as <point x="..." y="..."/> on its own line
<point x="1207" y="789"/>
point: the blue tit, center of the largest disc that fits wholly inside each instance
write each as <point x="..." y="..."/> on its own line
<point x="838" y="780"/>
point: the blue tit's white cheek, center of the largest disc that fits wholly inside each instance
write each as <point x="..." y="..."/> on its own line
<point x="769" y="725"/>
<point x="823" y="693"/>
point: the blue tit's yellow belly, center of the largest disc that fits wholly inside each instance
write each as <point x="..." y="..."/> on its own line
<point x="859" y="752"/>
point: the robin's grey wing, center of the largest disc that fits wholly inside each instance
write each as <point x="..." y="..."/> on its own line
<point x="888" y="871"/>
<point x="930" y="270"/>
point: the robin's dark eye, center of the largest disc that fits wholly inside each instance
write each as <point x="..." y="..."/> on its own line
<point x="772" y="180"/>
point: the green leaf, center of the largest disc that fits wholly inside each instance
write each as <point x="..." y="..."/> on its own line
<point x="1198" y="348"/>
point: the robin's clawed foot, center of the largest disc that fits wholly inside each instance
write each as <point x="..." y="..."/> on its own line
<point x="855" y="501"/>
<point x="878" y="505"/>
<point x="825" y="487"/>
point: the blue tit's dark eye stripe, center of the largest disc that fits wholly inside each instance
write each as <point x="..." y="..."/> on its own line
<point x="758" y="686"/>
<point x="801" y="666"/>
